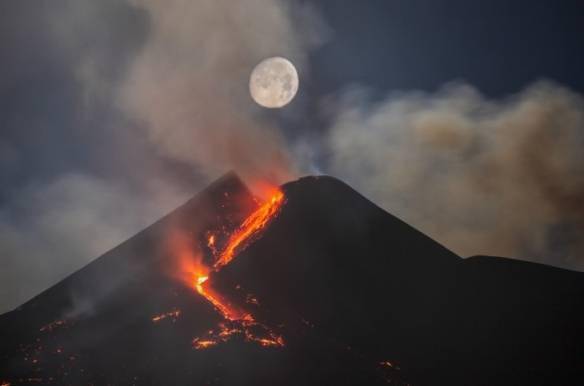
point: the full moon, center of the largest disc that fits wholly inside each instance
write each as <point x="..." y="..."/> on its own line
<point x="273" y="82"/>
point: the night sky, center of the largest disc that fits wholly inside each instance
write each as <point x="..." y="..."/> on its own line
<point x="80" y="172"/>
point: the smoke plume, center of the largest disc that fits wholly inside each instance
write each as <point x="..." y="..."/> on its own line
<point x="500" y="177"/>
<point x="158" y="100"/>
<point x="188" y="86"/>
<point x="159" y="91"/>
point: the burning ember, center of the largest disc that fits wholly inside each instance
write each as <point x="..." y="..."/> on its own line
<point x="238" y="322"/>
<point x="201" y="344"/>
<point x="52" y="326"/>
<point x="172" y="314"/>
<point x="248" y="331"/>
<point x="386" y="363"/>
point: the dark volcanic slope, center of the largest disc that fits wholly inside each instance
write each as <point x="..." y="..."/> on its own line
<point x="96" y="327"/>
<point x="365" y="278"/>
<point x="360" y="297"/>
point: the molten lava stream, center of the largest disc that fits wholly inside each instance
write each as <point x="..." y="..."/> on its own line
<point x="228" y="311"/>
<point x="256" y="222"/>
<point x="243" y="321"/>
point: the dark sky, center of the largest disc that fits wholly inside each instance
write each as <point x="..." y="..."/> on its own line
<point x="56" y="129"/>
<point x="497" y="46"/>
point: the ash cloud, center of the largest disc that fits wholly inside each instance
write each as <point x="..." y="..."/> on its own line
<point x="158" y="90"/>
<point x="500" y="177"/>
<point x="188" y="89"/>
<point x="159" y="95"/>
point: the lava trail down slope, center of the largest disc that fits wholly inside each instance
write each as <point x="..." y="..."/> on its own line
<point x="313" y="285"/>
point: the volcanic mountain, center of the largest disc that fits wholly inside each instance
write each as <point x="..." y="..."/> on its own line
<point x="314" y="285"/>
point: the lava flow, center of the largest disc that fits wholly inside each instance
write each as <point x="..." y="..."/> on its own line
<point x="237" y="321"/>
<point x="256" y="222"/>
<point x="173" y="315"/>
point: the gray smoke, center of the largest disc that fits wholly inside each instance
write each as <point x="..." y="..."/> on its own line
<point x="501" y="177"/>
<point x="481" y="176"/>
<point x="188" y="86"/>
<point x="54" y="229"/>
<point x="163" y="87"/>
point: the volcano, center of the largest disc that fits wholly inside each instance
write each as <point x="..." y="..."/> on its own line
<point x="313" y="285"/>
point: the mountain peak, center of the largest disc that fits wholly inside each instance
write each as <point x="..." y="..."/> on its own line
<point x="317" y="275"/>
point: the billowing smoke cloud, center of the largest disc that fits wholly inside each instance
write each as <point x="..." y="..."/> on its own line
<point x="188" y="87"/>
<point x="160" y="91"/>
<point x="481" y="176"/>
<point x="161" y="94"/>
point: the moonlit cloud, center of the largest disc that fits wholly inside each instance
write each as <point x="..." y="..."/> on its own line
<point x="156" y="93"/>
<point x="160" y="91"/>
<point x="482" y="176"/>
<point x="187" y="88"/>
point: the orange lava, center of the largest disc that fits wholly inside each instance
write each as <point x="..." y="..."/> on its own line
<point x="248" y="331"/>
<point x="172" y="314"/>
<point x="201" y="344"/>
<point x="242" y="323"/>
<point x="256" y="222"/>
<point x="211" y="241"/>
<point x="228" y="311"/>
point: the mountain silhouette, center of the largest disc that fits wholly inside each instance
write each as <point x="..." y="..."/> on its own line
<point x="341" y="293"/>
<point x="369" y="280"/>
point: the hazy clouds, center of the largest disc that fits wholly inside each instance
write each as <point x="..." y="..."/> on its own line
<point x="188" y="86"/>
<point x="502" y="177"/>
<point x="161" y="104"/>
<point x="51" y="230"/>
<point x="159" y="98"/>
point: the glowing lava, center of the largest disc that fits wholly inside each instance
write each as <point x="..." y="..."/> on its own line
<point x="255" y="223"/>
<point x="248" y="331"/>
<point x="228" y="311"/>
<point x="238" y="322"/>
<point x="172" y="314"/>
